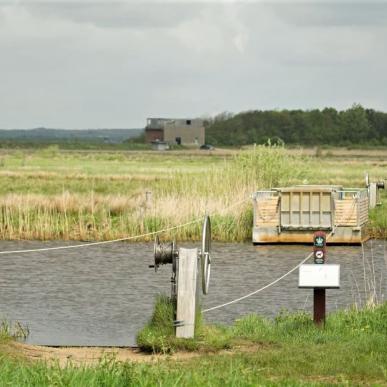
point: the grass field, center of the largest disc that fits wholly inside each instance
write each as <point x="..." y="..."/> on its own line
<point x="89" y="195"/>
<point x="52" y="194"/>
<point x="289" y="351"/>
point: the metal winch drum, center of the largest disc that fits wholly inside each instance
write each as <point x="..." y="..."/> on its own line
<point x="168" y="253"/>
<point x="380" y="184"/>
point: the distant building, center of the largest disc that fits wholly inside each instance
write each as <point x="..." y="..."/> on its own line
<point x="175" y="131"/>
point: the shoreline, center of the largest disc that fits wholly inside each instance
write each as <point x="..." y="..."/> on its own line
<point x="93" y="355"/>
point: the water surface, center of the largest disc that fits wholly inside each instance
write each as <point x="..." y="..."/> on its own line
<point x="102" y="295"/>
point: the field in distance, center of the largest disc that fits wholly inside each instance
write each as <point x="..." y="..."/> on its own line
<point x="98" y="195"/>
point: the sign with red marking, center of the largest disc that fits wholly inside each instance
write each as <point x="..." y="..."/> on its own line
<point x="319" y="247"/>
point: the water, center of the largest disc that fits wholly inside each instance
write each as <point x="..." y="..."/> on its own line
<point x="102" y="295"/>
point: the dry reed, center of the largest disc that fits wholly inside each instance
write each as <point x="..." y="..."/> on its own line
<point x="83" y="213"/>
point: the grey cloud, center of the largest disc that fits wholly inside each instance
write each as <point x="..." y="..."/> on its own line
<point x="117" y="15"/>
<point x="56" y="70"/>
<point x="340" y="14"/>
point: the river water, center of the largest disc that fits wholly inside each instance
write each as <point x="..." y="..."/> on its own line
<point x="102" y="295"/>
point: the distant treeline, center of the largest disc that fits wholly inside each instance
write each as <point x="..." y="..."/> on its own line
<point x="354" y="126"/>
<point x="72" y="139"/>
<point x="69" y="135"/>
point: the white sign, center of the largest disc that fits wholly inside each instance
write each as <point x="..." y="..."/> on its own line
<point x="319" y="276"/>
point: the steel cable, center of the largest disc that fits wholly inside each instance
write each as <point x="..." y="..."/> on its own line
<point x="115" y="240"/>
<point x="264" y="287"/>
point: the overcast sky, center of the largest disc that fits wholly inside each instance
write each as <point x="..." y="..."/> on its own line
<point x="83" y="64"/>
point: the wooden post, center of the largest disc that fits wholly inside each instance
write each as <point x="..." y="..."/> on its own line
<point x="319" y="252"/>
<point x="373" y="194"/>
<point x="186" y="292"/>
<point x="148" y="199"/>
<point x="319" y="306"/>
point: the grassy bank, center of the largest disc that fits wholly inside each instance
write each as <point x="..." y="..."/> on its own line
<point x="350" y="350"/>
<point x="53" y="194"/>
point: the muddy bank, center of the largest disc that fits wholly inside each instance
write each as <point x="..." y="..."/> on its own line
<point x="89" y="356"/>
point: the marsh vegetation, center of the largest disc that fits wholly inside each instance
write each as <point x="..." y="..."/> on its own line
<point x="53" y="194"/>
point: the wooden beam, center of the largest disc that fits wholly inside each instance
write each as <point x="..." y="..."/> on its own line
<point x="186" y="292"/>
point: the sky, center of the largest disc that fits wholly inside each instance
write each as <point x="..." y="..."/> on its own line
<point x="88" y="64"/>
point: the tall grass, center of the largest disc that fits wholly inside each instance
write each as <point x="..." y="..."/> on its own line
<point x="159" y="334"/>
<point x="97" y="196"/>
<point x="15" y="330"/>
<point x="263" y="166"/>
<point x="178" y="197"/>
<point x="378" y="218"/>
<point x="155" y="336"/>
<point x="289" y="350"/>
<point x="345" y="325"/>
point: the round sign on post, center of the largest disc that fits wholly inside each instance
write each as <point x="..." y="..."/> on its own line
<point x="319" y="247"/>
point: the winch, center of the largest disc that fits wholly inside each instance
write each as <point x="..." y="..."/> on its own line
<point x="186" y="271"/>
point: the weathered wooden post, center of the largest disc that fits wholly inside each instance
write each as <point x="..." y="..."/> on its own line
<point x="319" y="253"/>
<point x="373" y="195"/>
<point x="186" y="292"/>
<point x="185" y="275"/>
<point x="148" y="199"/>
<point x="319" y="277"/>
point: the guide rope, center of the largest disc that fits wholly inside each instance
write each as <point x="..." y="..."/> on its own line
<point x="266" y="286"/>
<point x="102" y="242"/>
<point x="197" y="220"/>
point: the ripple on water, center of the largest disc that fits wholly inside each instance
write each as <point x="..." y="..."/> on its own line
<point x="102" y="295"/>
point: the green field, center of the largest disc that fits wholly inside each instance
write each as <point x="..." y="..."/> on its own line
<point x="289" y="351"/>
<point x="90" y="195"/>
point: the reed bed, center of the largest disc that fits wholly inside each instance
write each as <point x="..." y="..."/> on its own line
<point x="101" y="217"/>
<point x="177" y="197"/>
<point x="13" y="330"/>
<point x="55" y="195"/>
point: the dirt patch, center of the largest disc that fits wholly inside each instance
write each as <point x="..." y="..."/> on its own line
<point x="88" y="356"/>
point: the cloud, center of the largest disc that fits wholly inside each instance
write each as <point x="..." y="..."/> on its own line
<point x="215" y="31"/>
<point x="340" y="14"/>
<point x="131" y="15"/>
<point x="113" y="64"/>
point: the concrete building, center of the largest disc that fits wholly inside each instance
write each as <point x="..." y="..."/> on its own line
<point x="175" y="131"/>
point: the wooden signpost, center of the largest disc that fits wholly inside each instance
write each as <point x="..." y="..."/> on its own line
<point x="319" y="277"/>
<point x="319" y="253"/>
